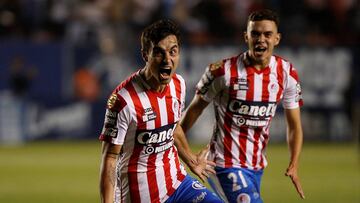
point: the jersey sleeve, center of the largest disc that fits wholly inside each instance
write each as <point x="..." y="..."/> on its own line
<point x="211" y="82"/>
<point x="292" y="93"/>
<point x="117" y="120"/>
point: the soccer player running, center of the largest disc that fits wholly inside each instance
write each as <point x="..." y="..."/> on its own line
<point x="245" y="91"/>
<point x="140" y="162"/>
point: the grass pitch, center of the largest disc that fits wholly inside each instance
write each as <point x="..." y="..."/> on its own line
<point x="67" y="172"/>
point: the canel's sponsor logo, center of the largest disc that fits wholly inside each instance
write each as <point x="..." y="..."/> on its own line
<point x="252" y="109"/>
<point x="156" y="140"/>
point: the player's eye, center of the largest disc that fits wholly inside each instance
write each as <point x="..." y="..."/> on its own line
<point x="157" y="52"/>
<point x="174" y="52"/>
<point x="255" y="34"/>
<point x="268" y="34"/>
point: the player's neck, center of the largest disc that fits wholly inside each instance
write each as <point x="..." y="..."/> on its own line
<point x="257" y="64"/>
<point x="150" y="81"/>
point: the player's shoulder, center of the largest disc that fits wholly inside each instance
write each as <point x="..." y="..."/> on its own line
<point x="284" y="60"/>
<point x="217" y="68"/>
<point x="177" y="76"/>
<point x="116" y="102"/>
<point x="117" y="99"/>
<point x="126" y="82"/>
<point x="288" y="67"/>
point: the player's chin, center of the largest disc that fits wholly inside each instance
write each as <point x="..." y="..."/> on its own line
<point x="165" y="81"/>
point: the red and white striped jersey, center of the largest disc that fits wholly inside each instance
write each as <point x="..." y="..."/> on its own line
<point x="143" y="121"/>
<point x="245" y="101"/>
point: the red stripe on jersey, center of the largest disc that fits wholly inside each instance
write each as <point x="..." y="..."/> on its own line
<point x="250" y="71"/>
<point x="132" y="167"/>
<point x="264" y="143"/>
<point x="244" y="131"/>
<point x="168" y="179"/>
<point x="169" y="106"/>
<point x="151" y="164"/>
<point x="280" y="77"/>
<point x="177" y="85"/>
<point x="229" y="115"/>
<point x="166" y="159"/>
<point x="180" y="176"/>
<point x="178" y="89"/>
<point x="257" y="133"/>
<point x="294" y="74"/>
<point x="265" y="85"/>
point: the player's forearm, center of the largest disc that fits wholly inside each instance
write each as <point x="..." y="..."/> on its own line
<point x="183" y="147"/>
<point x="194" y="111"/>
<point x="295" y="142"/>
<point x="108" y="178"/>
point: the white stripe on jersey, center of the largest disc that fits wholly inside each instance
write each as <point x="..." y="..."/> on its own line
<point x="249" y="148"/>
<point x="258" y="78"/>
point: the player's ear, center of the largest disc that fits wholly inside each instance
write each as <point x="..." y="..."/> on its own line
<point x="277" y="39"/>
<point x="245" y="37"/>
<point x="144" y="55"/>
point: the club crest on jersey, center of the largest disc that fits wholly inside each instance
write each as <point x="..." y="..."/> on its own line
<point x="273" y="87"/>
<point x="216" y="65"/>
<point x="111" y="101"/>
<point x="149" y="114"/>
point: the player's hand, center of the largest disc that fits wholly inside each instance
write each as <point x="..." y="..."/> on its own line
<point x="291" y="172"/>
<point x="203" y="167"/>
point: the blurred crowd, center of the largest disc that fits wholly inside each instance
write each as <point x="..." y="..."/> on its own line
<point x="324" y="22"/>
<point x="100" y="45"/>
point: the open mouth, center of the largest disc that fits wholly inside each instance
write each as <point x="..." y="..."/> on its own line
<point x="165" y="72"/>
<point x="260" y="49"/>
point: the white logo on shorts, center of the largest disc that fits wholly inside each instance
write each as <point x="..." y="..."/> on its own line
<point x="243" y="198"/>
<point x="197" y="185"/>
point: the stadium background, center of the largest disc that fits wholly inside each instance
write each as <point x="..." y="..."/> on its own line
<point x="59" y="61"/>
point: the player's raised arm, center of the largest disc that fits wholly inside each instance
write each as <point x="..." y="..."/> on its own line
<point x="110" y="153"/>
<point x="295" y="140"/>
<point x="195" y="109"/>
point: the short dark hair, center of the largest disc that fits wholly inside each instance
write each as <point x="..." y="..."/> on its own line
<point x="157" y="31"/>
<point x="265" y="14"/>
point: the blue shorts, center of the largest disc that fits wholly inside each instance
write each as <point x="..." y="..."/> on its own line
<point x="191" y="190"/>
<point x="237" y="184"/>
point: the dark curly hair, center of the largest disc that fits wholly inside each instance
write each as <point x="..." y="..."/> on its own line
<point x="158" y="31"/>
<point x="265" y="14"/>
